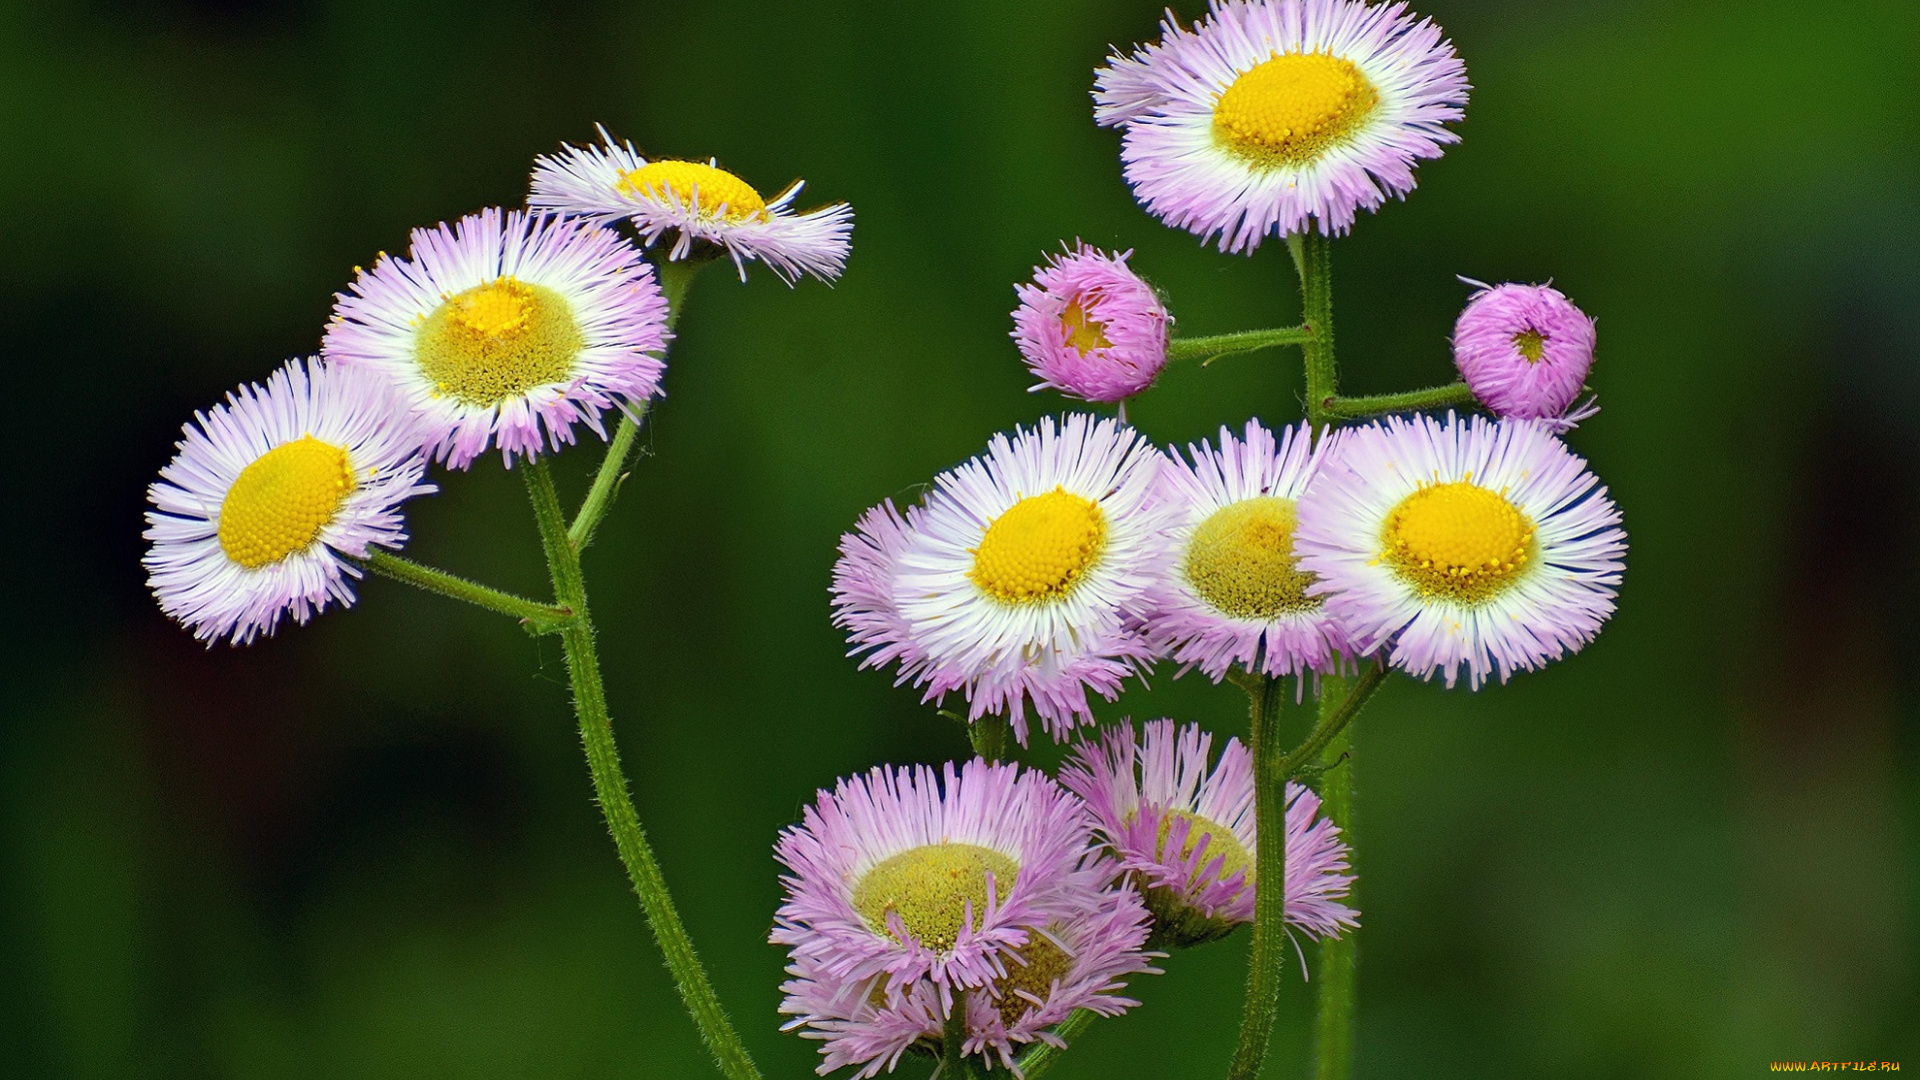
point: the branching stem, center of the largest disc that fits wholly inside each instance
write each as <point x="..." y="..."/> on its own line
<point x="536" y="616"/>
<point x="610" y="786"/>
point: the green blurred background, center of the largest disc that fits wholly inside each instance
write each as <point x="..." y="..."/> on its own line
<point x="367" y="848"/>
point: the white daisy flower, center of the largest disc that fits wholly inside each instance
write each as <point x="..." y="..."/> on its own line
<point x="1230" y="589"/>
<point x="1477" y="543"/>
<point x="251" y="518"/>
<point x="1024" y="572"/>
<point x="502" y="324"/>
<point x="1271" y="117"/>
<point x="698" y="203"/>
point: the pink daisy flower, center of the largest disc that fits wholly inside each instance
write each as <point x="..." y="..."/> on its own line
<point x="1470" y="543"/>
<point x="1275" y="116"/>
<point x="1082" y="963"/>
<point x="1229" y="589"/>
<point x="501" y="325"/>
<point x="698" y="203"/>
<point x="1189" y="836"/>
<point x="907" y="875"/>
<point x="1089" y="327"/>
<point x="1054" y="683"/>
<point x="1024" y="573"/>
<point x="270" y="494"/>
<point x="1524" y="351"/>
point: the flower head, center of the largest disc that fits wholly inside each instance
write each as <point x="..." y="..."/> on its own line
<point x="1524" y="351"/>
<point x="698" y="203"/>
<point x="1089" y="327"/>
<point x="501" y="324"/>
<point x="1271" y="117"/>
<point x="1188" y="834"/>
<point x="1229" y="588"/>
<point x="1081" y="963"/>
<point x="911" y="874"/>
<point x="865" y="586"/>
<point x="267" y="493"/>
<point x="904" y="889"/>
<point x="1018" y="580"/>
<point x="1462" y="543"/>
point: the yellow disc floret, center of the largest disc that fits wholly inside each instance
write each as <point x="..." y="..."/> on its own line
<point x="1039" y="548"/>
<point x="1045" y="964"/>
<point x="1458" y="540"/>
<point x="1241" y="560"/>
<point x="1084" y="332"/>
<point x="1221" y="844"/>
<point x="1292" y="107"/>
<point x="718" y="192"/>
<point x="279" y="504"/>
<point x="930" y="887"/>
<point x="1531" y="344"/>
<point x="497" y="341"/>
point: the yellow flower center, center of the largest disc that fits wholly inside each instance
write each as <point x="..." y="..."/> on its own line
<point x="930" y="887"/>
<point x="1532" y="345"/>
<point x="278" y="504"/>
<point x="1046" y="963"/>
<point x="1289" y="109"/>
<point x="1221" y="844"/>
<point x="498" y="341"/>
<point x="1241" y="560"/>
<point x="1084" y="332"/>
<point x="1039" y="548"/>
<point x="690" y="181"/>
<point x="1458" y="540"/>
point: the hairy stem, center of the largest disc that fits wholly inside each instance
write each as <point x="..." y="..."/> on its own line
<point x="675" y="278"/>
<point x="542" y="618"/>
<point x="1218" y="345"/>
<point x="610" y="786"/>
<point x="1266" y="967"/>
<point x="1312" y="257"/>
<point x="1339" y="956"/>
<point x="989" y="737"/>
<point x="1338" y="706"/>
<point x="1359" y="408"/>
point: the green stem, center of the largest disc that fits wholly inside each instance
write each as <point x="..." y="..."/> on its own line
<point x="607" y="481"/>
<point x="610" y="785"/>
<point x="675" y="278"/>
<point x="1045" y="1056"/>
<point x="1356" y="408"/>
<point x="1266" y="966"/>
<point x="542" y="618"/>
<point x="989" y="737"/>
<point x="1334" y="718"/>
<point x="1312" y="257"/>
<point x="1339" y="956"/>
<point x="1218" y="345"/>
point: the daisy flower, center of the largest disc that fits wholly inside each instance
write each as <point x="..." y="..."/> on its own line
<point x="1089" y="327"/>
<point x="1026" y="568"/>
<point x="267" y="493"/>
<point x="1275" y="116"/>
<point x="908" y="874"/>
<point x="1229" y="588"/>
<point x="865" y="581"/>
<point x="699" y="203"/>
<point x="1524" y="351"/>
<point x="501" y="324"/>
<point x="1078" y="964"/>
<point x="1476" y="543"/>
<point x="1188" y="834"/>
